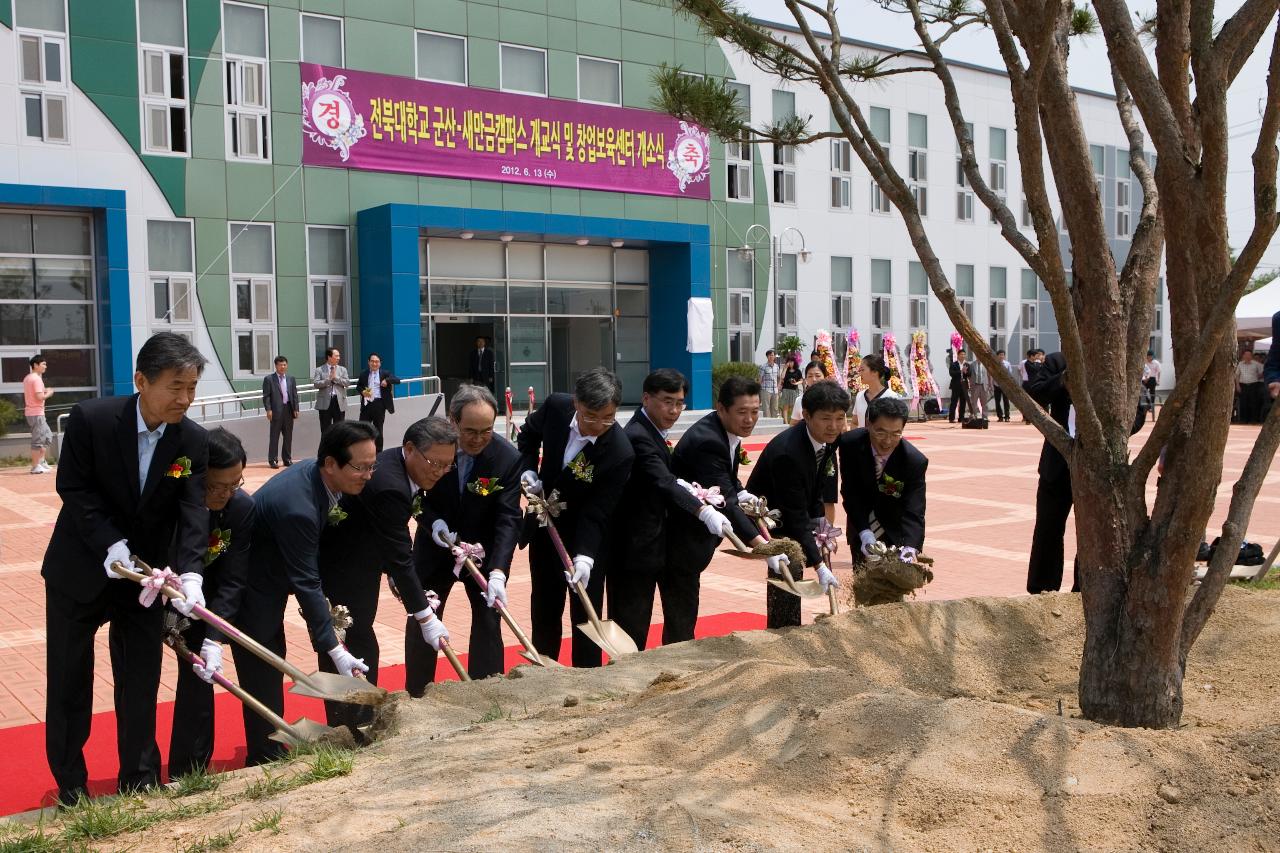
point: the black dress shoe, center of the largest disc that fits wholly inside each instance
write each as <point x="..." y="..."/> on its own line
<point x="288" y="462"/>
<point x="273" y="464"/>
<point x="68" y="797"/>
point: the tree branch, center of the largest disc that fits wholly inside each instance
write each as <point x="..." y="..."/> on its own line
<point x="1241" y="33"/>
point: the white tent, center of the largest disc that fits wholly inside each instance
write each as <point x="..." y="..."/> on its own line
<point x="1253" y="314"/>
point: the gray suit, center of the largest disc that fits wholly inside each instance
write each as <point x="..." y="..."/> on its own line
<point x="331" y="394"/>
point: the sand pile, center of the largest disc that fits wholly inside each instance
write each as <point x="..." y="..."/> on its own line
<point x="923" y="726"/>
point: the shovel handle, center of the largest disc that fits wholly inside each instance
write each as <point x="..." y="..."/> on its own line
<point x="734" y="538"/>
<point x="240" y="693"/>
<point x="568" y="567"/>
<point x="453" y="660"/>
<point x="764" y="529"/>
<point x="502" y="610"/>
<point x="831" y="593"/>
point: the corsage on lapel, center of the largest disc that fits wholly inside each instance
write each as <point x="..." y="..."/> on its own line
<point x="485" y="486"/>
<point x="336" y="515"/>
<point x="890" y="486"/>
<point x="671" y="448"/>
<point x="581" y="469"/>
<point x="219" y="541"/>
<point x="180" y="468"/>
<point x="743" y="458"/>
<point x="415" y="509"/>
<point x="830" y="469"/>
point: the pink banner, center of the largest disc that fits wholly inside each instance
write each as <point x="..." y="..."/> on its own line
<point x="358" y="120"/>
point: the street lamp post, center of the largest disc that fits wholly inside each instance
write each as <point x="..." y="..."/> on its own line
<point x="775" y="262"/>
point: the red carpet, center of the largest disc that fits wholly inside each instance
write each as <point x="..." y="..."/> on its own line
<point x="29" y="784"/>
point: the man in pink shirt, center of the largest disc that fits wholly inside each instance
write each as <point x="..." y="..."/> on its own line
<point x="34" y="394"/>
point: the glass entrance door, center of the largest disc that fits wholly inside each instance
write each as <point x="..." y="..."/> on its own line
<point x="577" y="345"/>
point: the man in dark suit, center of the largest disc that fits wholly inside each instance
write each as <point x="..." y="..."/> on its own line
<point x="638" y="534"/>
<point x="709" y="454"/>
<point x="1271" y="370"/>
<point x="280" y="402"/>
<point x="476" y="502"/>
<point x="376" y="398"/>
<point x="1047" y="385"/>
<point x="131" y="480"/>
<point x="374" y="539"/>
<point x="292" y="510"/>
<point x="226" y="568"/>
<point x="482" y="369"/>
<point x="586" y="458"/>
<point x="790" y="473"/>
<point x="882" y="481"/>
<point x="958" y="368"/>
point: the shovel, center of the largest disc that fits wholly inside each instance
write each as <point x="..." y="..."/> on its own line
<point x="320" y="685"/>
<point x="292" y="734"/>
<point x="605" y="633"/>
<point x="712" y="498"/>
<point x="802" y="588"/>
<point x="453" y="659"/>
<point x="529" y="653"/>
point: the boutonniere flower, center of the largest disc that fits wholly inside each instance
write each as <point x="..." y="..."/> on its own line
<point x="581" y="470"/>
<point x="180" y="468"/>
<point x="743" y="458"/>
<point x="415" y="509"/>
<point x="336" y="515"/>
<point x="366" y="393"/>
<point x="219" y="541"/>
<point x="485" y="486"/>
<point x="830" y="470"/>
<point x="890" y="486"/>
<point x="671" y="448"/>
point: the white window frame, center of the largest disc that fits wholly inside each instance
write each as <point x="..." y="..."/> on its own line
<point x="737" y="155"/>
<point x="920" y="193"/>
<point x="546" y="78"/>
<point x="882" y="311"/>
<point x="44" y="90"/>
<point x="999" y="315"/>
<point x="741" y="325"/>
<point x="1028" y="316"/>
<point x="466" y="58"/>
<point x="999" y="174"/>
<point x="918" y="315"/>
<point x="918" y="165"/>
<point x="841" y="175"/>
<point x="342" y="38"/>
<point x="842" y="310"/>
<point x="788" y="310"/>
<point x="1026" y="214"/>
<point x="235" y="111"/>
<point x="615" y="63"/>
<point x="185" y="327"/>
<point x="1123" y="224"/>
<point x="966" y="305"/>
<point x="256" y="327"/>
<point x="880" y="205"/>
<point x="784" y="175"/>
<point x="148" y="101"/>
<point x="327" y="326"/>
<point x="962" y="179"/>
<point x="964" y="206"/>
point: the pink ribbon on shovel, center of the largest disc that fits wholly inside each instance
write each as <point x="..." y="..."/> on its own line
<point x="433" y="600"/>
<point x="711" y="496"/>
<point x="827" y="536"/>
<point x="463" y="550"/>
<point x="153" y="583"/>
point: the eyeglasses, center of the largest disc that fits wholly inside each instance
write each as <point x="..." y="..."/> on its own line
<point x="363" y="469"/>
<point x="670" y="402"/>
<point x="604" y="422"/>
<point x="478" y="433"/>
<point x="442" y="467"/>
<point x="886" y="433"/>
<point x="216" y="489"/>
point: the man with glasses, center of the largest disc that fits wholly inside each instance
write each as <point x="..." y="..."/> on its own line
<point x="882" y="482"/>
<point x="373" y="539"/>
<point x="226" y="569"/>
<point x="477" y="502"/>
<point x="331" y="381"/>
<point x="377" y="398"/>
<point x="586" y="459"/>
<point x="639" y="531"/>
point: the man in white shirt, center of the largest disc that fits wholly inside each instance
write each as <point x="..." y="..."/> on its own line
<point x="1251" y="388"/>
<point x="331" y="381"/>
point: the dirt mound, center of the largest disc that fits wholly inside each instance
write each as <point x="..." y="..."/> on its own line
<point x="923" y="726"/>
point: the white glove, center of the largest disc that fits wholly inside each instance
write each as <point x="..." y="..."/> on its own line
<point x="826" y="579"/>
<point x="433" y="630"/>
<point x="684" y="484"/>
<point x="778" y="564"/>
<point x="441" y="534"/>
<point x="744" y="496"/>
<point x="192" y="588"/>
<point x="582" y="566"/>
<point x="530" y="480"/>
<point x="497" y="590"/>
<point x="347" y="663"/>
<point x="212" y="654"/>
<point x="907" y="554"/>
<point x="118" y="551"/>
<point x="714" y="520"/>
<point x="868" y="539"/>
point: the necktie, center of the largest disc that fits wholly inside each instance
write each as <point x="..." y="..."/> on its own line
<point x="464" y="469"/>
<point x="822" y="456"/>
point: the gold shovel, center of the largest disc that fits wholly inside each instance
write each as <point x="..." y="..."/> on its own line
<point x="529" y="653"/>
<point x="803" y="588"/>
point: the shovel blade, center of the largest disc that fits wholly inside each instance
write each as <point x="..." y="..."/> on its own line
<point x="539" y="660"/>
<point x="615" y="641"/>
<point x="307" y="731"/>
<point x="340" y="688"/>
<point x="804" y="589"/>
<point x="744" y="555"/>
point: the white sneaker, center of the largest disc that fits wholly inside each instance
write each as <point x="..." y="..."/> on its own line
<point x="39" y="470"/>
<point x="44" y="466"/>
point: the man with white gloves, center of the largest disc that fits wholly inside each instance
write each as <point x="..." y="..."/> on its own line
<point x="131" y="481"/>
<point x="638" y="534"/>
<point x="789" y="474"/>
<point x="586" y="459"/>
<point x="476" y="503"/>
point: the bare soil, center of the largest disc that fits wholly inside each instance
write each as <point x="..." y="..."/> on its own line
<point x="923" y="726"/>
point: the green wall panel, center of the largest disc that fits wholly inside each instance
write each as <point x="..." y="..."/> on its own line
<point x="286" y="87"/>
<point x="562" y="74"/>
<point x="388" y="11"/>
<point x="211" y="244"/>
<point x="539" y="6"/>
<point x="6" y="13"/>
<point x="291" y="251"/>
<point x="596" y="203"/>
<point x="596" y="40"/>
<point x="482" y="62"/>
<point x="376" y="46"/>
<point x="249" y="192"/>
<point x="207" y="140"/>
<point x="606" y="12"/>
<point x="294" y="343"/>
<point x="114" y="20"/>
<point x="207" y="189"/>
<point x="486" y="195"/>
<point x="291" y="300"/>
<point x="441" y="16"/>
<point x="483" y="22"/>
<point x="566" y="202"/>
<point x="99" y="66"/>
<point x="288" y="201"/>
<point x="649" y="49"/>
<point x="444" y="192"/>
<point x="324" y="7"/>
<point x="283" y="27"/>
<point x="691" y="56"/>
<point x="371" y="189"/>
<point x="526" y="197"/>
<point x="521" y="27"/>
<point x="122" y="112"/>
<point x="286" y="138"/>
<point x="325" y="194"/>
<point x="170" y="174"/>
<point x="647" y="18"/>
<point x="562" y="35"/>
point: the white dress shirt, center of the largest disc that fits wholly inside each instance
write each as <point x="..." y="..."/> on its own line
<point x="734" y="442"/>
<point x="284" y="388"/>
<point x="375" y="384"/>
<point x="577" y="441"/>
<point x="147" y="441"/>
<point x="661" y="432"/>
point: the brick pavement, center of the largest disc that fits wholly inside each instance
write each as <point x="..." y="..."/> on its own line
<point x="980" y="514"/>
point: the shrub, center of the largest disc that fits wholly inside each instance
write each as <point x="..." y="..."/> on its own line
<point x="724" y="370"/>
<point x="9" y="415"/>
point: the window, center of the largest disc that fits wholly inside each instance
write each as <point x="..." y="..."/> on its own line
<point x="962" y="179"/>
<point x="879" y="199"/>
<point x="442" y="58"/>
<point x="1123" y="177"/>
<point x="879" y="122"/>
<point x="787" y="272"/>
<point x="41" y="27"/>
<point x="964" y="288"/>
<point x="841" y="174"/>
<point x="743" y="93"/>
<point x="1099" y="157"/>
<point x="1026" y="214"/>
<point x="998" y="316"/>
<point x="737" y="155"/>
<point x="842" y="310"/>
<point x="784" y="174"/>
<point x="998" y="291"/>
<point x="171" y="273"/>
<point x="599" y="81"/>
<point x="247" y="81"/>
<point x="841" y="274"/>
<point x="740" y="279"/>
<point x="322" y="40"/>
<point x="917" y="147"/>
<point x="881" y="314"/>
<point x="787" y="311"/>
<point x="252" y="298"/>
<point x="162" y="40"/>
<point x="881" y="276"/>
<point x="964" y="206"/>
<point x="921" y="196"/>
<point x="1029" y="316"/>
<point x="919" y="312"/>
<point x="329" y="284"/>
<point x="998" y="142"/>
<point x="918" y="287"/>
<point x="523" y="69"/>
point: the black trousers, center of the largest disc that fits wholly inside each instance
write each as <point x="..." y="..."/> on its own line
<point x="282" y="427"/>
<point x="375" y="412"/>
<point x="959" y="401"/>
<point x="631" y="591"/>
<point x="261" y="617"/>
<point x="1053" y="505"/>
<point x="485" y="651"/>
<point x="781" y="608"/>
<point x="134" y="641"/>
<point x="331" y="414"/>
<point x="1253" y="398"/>
<point x="358" y="589"/>
<point x="547" y="603"/>
<point x="1002" y="404"/>
<point x="191" y="742"/>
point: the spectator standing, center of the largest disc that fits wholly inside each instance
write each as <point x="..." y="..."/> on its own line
<point x="331" y="381"/>
<point x="959" y="397"/>
<point x="1271" y="370"/>
<point x="814" y="372"/>
<point x="482" y="368"/>
<point x="769" y="375"/>
<point x="377" y="399"/>
<point x="34" y="394"/>
<point x="1253" y="394"/>
<point x="1001" y="398"/>
<point x="280" y="402"/>
<point x="791" y="379"/>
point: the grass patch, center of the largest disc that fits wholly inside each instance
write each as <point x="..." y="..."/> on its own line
<point x="221" y="841"/>
<point x="15" y="461"/>
<point x="104" y="817"/>
<point x="329" y="762"/>
<point x="17" y="838"/>
<point x="493" y="714"/>
<point x="196" y="782"/>
<point x="267" y="821"/>
<point x="1271" y="581"/>
<point x="269" y="785"/>
<point x="325" y="762"/>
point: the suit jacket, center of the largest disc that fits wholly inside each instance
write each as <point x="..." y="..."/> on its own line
<point x="651" y="499"/>
<point x="292" y="510"/>
<point x="787" y="473"/>
<point x="388" y="399"/>
<point x="1271" y="370"/>
<point x="590" y="500"/>
<point x="482" y="366"/>
<point x="271" y="393"/>
<point x="374" y="537"/>
<point x="226" y="574"/>
<point x="164" y="518"/>
<point x="955" y="369"/>
<point x="339" y="383"/>
<point x="702" y="456"/>
<point x="902" y="517"/>
<point x="1047" y="385"/>
<point x="492" y="521"/>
